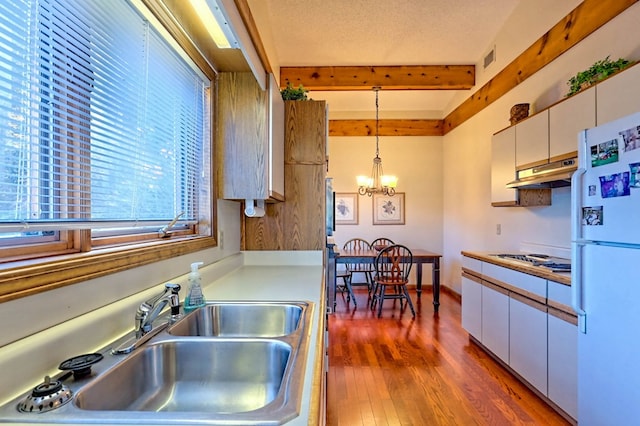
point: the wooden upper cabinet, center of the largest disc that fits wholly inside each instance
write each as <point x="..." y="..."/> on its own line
<point x="250" y="138"/>
<point x="305" y="132"/>
<point x="298" y="223"/>
<point x="618" y="95"/>
<point x="242" y="149"/>
<point x="532" y="141"/>
<point x="567" y="119"/>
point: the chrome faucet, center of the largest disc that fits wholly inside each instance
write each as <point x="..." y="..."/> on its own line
<point x="149" y="310"/>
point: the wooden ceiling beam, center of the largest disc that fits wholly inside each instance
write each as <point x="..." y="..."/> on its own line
<point x="400" y="77"/>
<point x="586" y="18"/>
<point x="387" y="127"/>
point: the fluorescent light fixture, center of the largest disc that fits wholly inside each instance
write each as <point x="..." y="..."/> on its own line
<point x="217" y="25"/>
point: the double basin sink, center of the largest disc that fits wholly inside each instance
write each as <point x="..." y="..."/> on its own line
<point x="225" y="363"/>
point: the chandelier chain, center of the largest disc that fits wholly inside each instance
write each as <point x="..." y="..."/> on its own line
<point x="378" y="182"/>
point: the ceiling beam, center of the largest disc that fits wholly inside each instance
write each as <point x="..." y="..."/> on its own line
<point x="387" y="127"/>
<point x="586" y="18"/>
<point x="400" y="77"/>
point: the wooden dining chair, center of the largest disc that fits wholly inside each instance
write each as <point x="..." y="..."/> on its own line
<point x="392" y="265"/>
<point x="366" y="269"/>
<point x="345" y="275"/>
<point x="378" y="244"/>
<point x="381" y="242"/>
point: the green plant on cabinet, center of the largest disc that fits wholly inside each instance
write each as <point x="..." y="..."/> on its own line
<point x="598" y="71"/>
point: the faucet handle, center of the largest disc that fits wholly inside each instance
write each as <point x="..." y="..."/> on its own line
<point x="174" y="288"/>
<point x="174" y="300"/>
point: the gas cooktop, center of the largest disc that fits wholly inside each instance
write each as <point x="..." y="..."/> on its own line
<point x="555" y="264"/>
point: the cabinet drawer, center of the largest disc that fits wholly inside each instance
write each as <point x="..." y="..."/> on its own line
<point x="472" y="264"/>
<point x="559" y="293"/>
<point x="530" y="284"/>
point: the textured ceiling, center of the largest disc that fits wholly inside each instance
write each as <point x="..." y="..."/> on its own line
<point x="377" y="32"/>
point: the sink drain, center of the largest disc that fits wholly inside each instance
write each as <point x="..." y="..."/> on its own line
<point x="47" y="396"/>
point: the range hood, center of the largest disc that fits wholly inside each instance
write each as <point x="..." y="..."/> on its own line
<point x="550" y="175"/>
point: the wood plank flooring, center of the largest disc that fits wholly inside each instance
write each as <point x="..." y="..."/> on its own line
<point x="396" y="370"/>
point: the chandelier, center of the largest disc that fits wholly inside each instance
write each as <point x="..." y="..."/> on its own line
<point x="378" y="183"/>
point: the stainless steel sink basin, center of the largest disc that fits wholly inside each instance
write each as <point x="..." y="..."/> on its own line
<point x="243" y="319"/>
<point x="227" y="376"/>
<point x="228" y="363"/>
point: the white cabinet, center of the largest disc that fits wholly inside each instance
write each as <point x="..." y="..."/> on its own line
<point x="472" y="305"/>
<point x="528" y="340"/>
<point x="567" y="119"/>
<point x="503" y="166"/>
<point x="618" y="95"/>
<point x="532" y="140"/>
<point x="524" y="320"/>
<point x="563" y="349"/>
<point x="563" y="361"/>
<point x="503" y="171"/>
<point x="495" y="320"/>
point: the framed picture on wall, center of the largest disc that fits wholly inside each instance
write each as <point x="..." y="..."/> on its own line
<point x="346" y="208"/>
<point x="388" y="210"/>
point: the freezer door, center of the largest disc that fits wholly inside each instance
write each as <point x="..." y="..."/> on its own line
<point x="610" y="188"/>
<point x="608" y="353"/>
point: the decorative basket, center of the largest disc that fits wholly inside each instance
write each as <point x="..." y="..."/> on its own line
<point x="519" y="112"/>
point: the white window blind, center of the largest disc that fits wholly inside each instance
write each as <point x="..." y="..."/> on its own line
<point x="102" y="122"/>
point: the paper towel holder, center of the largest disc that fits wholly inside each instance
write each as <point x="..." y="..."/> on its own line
<point x="253" y="208"/>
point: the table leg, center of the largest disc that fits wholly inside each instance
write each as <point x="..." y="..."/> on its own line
<point x="436" y="284"/>
<point x="419" y="279"/>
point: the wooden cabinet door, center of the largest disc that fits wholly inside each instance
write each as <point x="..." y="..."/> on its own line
<point x="503" y="166"/>
<point x="528" y="340"/>
<point x="305" y="132"/>
<point x="567" y="119"/>
<point x="243" y="149"/>
<point x="532" y="140"/>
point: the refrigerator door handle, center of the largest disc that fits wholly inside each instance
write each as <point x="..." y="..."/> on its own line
<point x="576" y="285"/>
<point x="577" y="245"/>
<point x="576" y="204"/>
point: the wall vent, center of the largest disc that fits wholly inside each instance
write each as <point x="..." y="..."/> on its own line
<point x="490" y="57"/>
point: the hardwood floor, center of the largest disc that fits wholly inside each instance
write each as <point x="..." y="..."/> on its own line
<point x="396" y="370"/>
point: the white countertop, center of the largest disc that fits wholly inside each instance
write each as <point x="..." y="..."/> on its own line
<point x="286" y="276"/>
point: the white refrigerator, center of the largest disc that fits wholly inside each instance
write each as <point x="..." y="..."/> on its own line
<point x="606" y="272"/>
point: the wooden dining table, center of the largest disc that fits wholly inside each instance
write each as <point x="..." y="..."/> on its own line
<point x="419" y="258"/>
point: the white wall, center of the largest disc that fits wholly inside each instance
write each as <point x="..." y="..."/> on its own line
<point x="470" y="221"/>
<point x="417" y="161"/>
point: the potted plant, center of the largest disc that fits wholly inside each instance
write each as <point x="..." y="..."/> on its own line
<point x="598" y="71"/>
<point x="291" y="93"/>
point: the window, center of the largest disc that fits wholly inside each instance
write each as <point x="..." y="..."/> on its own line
<point x="105" y="129"/>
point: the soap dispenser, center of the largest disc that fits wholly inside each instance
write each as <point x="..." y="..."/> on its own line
<point x="194" y="299"/>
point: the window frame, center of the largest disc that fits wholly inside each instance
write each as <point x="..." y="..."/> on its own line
<point x="75" y="257"/>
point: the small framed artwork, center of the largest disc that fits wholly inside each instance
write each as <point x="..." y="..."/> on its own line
<point x="388" y="210"/>
<point x="346" y="208"/>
